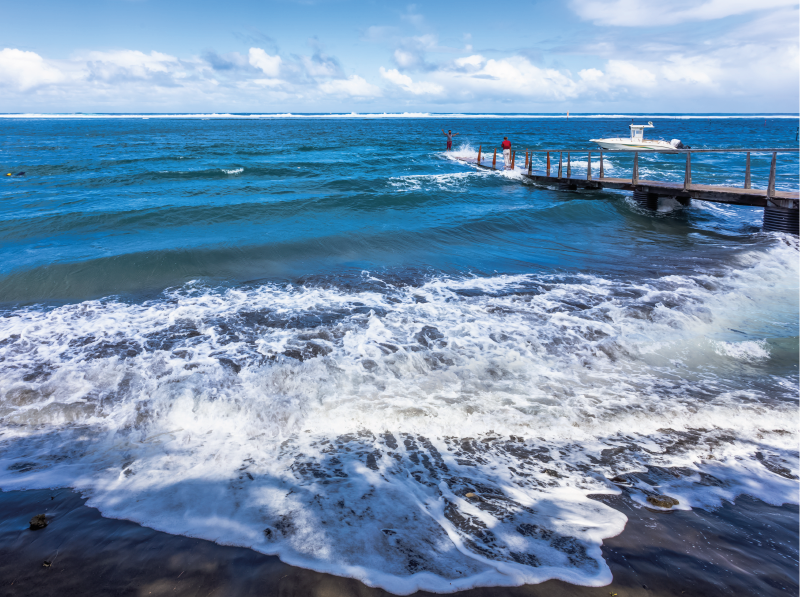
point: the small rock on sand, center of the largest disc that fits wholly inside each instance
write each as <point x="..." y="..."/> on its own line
<point x="38" y="522"/>
<point x="662" y="501"/>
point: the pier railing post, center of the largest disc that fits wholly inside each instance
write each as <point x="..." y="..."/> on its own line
<point x="589" y="167"/>
<point x="747" y="172"/>
<point x="526" y="159"/>
<point x="513" y="159"/>
<point x="602" y="174"/>
<point x="548" y="163"/>
<point x="494" y="160"/>
<point x="479" y="155"/>
<point x="771" y="184"/>
<point x="687" y="178"/>
<point x="569" y="166"/>
<point x="560" y="157"/>
<point x="635" y="176"/>
<point x="530" y="164"/>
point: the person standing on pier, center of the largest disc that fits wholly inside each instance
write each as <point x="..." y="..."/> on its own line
<point x="506" y="153"/>
<point x="449" y="134"/>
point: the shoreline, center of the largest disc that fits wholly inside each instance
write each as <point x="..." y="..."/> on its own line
<point x="744" y="548"/>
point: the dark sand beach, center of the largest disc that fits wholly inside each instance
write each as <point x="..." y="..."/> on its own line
<point x="746" y="548"/>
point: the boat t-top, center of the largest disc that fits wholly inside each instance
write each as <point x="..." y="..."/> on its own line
<point x="638" y="142"/>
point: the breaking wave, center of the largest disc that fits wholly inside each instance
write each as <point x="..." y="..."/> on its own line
<point x="436" y="436"/>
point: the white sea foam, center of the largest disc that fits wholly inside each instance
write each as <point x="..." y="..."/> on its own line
<point x="453" y="181"/>
<point x="750" y="350"/>
<point x="233" y="170"/>
<point x="436" y="437"/>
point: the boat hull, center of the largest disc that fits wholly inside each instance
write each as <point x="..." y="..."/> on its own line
<point x="627" y="144"/>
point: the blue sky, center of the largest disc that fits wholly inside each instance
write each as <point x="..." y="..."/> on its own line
<point x="369" y="56"/>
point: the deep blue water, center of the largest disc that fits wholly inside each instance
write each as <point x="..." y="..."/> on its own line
<point x="327" y="338"/>
<point x="122" y="206"/>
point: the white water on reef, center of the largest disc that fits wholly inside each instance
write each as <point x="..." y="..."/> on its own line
<point x="436" y="436"/>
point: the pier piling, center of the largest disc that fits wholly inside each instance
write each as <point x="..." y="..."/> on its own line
<point x="687" y="177"/>
<point x="747" y="172"/>
<point x="589" y="167"/>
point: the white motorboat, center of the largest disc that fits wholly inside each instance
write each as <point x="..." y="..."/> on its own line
<point x="638" y="142"/>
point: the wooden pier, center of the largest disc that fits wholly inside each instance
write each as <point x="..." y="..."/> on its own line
<point x="781" y="207"/>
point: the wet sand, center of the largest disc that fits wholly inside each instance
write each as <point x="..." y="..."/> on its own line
<point x="743" y="549"/>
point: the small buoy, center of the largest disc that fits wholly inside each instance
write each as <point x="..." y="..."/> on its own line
<point x="9" y="174"/>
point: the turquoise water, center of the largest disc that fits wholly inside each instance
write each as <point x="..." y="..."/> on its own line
<point x="302" y="333"/>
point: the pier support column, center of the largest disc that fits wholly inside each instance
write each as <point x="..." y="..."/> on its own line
<point x="780" y="219"/>
<point x="650" y="200"/>
<point x="645" y="199"/>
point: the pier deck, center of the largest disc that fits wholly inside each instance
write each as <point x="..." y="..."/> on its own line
<point x="781" y="204"/>
<point x="732" y="195"/>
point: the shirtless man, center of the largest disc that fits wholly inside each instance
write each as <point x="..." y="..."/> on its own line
<point x="450" y="136"/>
<point x="506" y="153"/>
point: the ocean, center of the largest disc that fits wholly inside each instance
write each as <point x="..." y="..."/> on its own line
<point x="326" y="338"/>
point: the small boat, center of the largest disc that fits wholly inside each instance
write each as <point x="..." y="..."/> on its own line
<point x="638" y="142"/>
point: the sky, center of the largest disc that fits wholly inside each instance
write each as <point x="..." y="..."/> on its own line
<point x="600" y="56"/>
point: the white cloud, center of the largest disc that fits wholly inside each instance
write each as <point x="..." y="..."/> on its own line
<point x="405" y="59"/>
<point x="474" y="61"/>
<point x="269" y="65"/>
<point x="628" y="74"/>
<point x="23" y="71"/>
<point x="405" y="82"/>
<point x="701" y="70"/>
<point x="656" y="13"/>
<point x="353" y="86"/>
<point x="118" y="65"/>
<point x="508" y="79"/>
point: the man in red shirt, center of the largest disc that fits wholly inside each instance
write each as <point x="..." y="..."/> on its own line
<point x="506" y="153"/>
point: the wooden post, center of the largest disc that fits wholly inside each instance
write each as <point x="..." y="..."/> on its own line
<point x="494" y="159"/>
<point x="602" y="174"/>
<point x="560" y="155"/>
<point x="569" y="166"/>
<point x="513" y="158"/>
<point x="548" y="163"/>
<point x="687" y="178"/>
<point x="589" y="167"/>
<point x="771" y="184"/>
<point x="479" y="155"/>
<point x="635" y="177"/>
<point x="526" y="160"/>
<point x="530" y="164"/>
<point x="747" y="172"/>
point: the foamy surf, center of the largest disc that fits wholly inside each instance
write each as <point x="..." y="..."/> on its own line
<point x="432" y="437"/>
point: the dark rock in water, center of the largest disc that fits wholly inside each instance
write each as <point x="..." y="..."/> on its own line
<point x="38" y="522"/>
<point x="429" y="336"/>
<point x="662" y="501"/>
<point x="229" y="364"/>
<point x="47" y="564"/>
